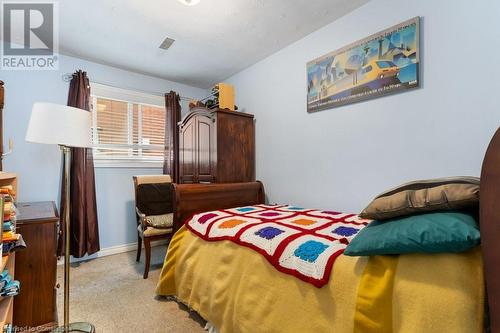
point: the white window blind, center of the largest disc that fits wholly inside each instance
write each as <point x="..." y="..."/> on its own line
<point x="128" y="126"/>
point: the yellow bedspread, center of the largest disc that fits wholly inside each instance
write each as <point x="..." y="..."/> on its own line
<point x="237" y="290"/>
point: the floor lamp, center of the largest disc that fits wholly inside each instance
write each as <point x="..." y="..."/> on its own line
<point x="67" y="127"/>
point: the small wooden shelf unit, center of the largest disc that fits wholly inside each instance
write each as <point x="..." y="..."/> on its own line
<point x="8" y="262"/>
<point x="7" y="303"/>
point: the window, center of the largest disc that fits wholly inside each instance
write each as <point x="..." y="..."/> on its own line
<point x="128" y="127"/>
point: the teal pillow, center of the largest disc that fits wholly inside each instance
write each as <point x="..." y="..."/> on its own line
<point x="424" y="233"/>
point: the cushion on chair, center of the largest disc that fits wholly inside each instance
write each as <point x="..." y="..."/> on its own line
<point x="153" y="179"/>
<point x="153" y="231"/>
<point x="155" y="199"/>
<point x="160" y="221"/>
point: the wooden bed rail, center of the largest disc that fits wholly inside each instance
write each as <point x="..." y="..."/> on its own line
<point x="489" y="221"/>
<point x="191" y="199"/>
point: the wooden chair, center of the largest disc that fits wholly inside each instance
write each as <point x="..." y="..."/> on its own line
<point x="154" y="212"/>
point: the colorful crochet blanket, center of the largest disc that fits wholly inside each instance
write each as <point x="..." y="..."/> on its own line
<point x="297" y="241"/>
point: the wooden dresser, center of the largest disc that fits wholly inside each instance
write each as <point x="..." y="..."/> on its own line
<point x="36" y="266"/>
<point x="216" y="146"/>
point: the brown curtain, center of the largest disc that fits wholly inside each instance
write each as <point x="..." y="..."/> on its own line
<point x="83" y="208"/>
<point x="173" y="116"/>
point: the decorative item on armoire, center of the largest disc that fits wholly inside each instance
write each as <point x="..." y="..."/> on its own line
<point x="381" y="64"/>
<point x="222" y="96"/>
<point x="67" y="127"/>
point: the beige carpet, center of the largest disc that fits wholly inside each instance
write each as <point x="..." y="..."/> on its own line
<point x="111" y="293"/>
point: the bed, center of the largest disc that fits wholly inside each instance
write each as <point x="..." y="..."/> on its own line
<point x="237" y="290"/>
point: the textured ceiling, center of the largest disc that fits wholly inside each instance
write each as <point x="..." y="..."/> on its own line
<point x="213" y="40"/>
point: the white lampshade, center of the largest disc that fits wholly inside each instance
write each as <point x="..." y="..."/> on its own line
<point x="59" y="124"/>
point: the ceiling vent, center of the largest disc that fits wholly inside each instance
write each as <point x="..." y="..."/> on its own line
<point x="165" y="45"/>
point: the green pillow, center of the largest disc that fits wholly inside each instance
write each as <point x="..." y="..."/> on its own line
<point x="425" y="233"/>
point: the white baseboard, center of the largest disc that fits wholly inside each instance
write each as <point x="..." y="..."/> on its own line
<point x="108" y="251"/>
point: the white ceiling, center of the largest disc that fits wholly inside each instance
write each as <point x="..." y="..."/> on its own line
<point x="213" y="40"/>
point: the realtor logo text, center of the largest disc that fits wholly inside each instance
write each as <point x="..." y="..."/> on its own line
<point x="30" y="36"/>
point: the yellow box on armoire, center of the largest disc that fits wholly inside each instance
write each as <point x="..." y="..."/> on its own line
<point x="226" y="96"/>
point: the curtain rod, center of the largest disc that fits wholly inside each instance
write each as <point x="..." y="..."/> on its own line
<point x="67" y="78"/>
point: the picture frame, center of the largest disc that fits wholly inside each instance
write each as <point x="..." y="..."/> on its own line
<point x="381" y="64"/>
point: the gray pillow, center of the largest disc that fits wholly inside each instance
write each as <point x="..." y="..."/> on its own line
<point x="423" y="196"/>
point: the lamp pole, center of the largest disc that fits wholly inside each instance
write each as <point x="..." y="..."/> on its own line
<point x="67" y="187"/>
<point x="67" y="326"/>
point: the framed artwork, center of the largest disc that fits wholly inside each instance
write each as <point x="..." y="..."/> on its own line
<point x="381" y="64"/>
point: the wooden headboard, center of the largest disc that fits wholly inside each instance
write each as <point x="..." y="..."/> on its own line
<point x="191" y="199"/>
<point x="489" y="221"/>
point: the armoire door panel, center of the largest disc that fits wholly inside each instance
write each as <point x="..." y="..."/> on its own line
<point x="187" y="152"/>
<point x="204" y="139"/>
<point x="235" y="148"/>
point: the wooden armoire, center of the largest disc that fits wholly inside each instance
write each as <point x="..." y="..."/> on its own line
<point x="216" y="146"/>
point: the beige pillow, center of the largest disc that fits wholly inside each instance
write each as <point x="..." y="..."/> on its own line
<point x="160" y="221"/>
<point x="424" y="196"/>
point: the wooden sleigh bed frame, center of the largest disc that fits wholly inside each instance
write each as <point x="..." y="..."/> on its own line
<point x="191" y="199"/>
